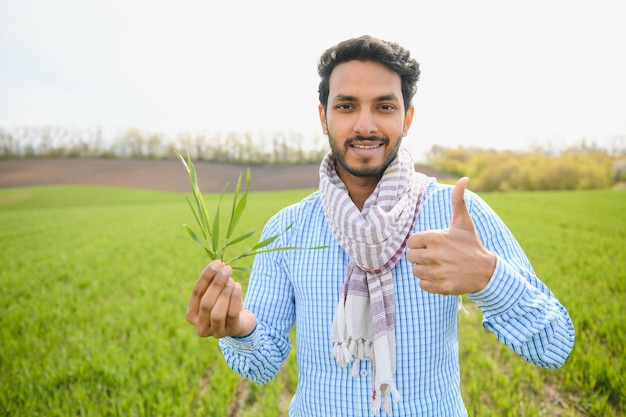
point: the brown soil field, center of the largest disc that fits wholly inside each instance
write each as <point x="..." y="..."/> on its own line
<point x="165" y="175"/>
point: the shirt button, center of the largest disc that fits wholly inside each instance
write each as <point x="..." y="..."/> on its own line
<point x="363" y="372"/>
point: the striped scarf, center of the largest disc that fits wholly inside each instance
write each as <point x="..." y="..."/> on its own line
<point x="375" y="239"/>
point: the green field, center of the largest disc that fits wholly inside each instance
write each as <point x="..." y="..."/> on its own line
<point x="95" y="282"/>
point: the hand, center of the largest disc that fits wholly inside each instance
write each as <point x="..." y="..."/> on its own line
<point x="216" y="305"/>
<point x="452" y="261"/>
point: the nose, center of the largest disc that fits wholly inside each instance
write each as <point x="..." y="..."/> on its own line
<point x="365" y="123"/>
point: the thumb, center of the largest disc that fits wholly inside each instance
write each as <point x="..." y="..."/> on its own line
<point x="460" y="215"/>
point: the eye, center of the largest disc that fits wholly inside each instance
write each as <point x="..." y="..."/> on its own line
<point x="387" y="107"/>
<point x="344" y="106"/>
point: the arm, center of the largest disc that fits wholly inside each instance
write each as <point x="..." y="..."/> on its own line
<point x="517" y="306"/>
<point x="524" y="315"/>
<point x="260" y="355"/>
<point x="477" y="255"/>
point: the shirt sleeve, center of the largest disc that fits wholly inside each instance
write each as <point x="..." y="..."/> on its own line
<point x="259" y="356"/>
<point x="517" y="307"/>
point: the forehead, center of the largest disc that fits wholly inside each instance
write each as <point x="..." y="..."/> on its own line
<point x="358" y="78"/>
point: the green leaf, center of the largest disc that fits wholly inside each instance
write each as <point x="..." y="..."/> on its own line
<point x="265" y="242"/>
<point x="180" y="157"/>
<point x="204" y="216"/>
<point x="216" y="227"/>
<point x="238" y="206"/>
<point x="202" y="213"/>
<point x="198" y="221"/>
<point x="240" y="238"/>
<point x="286" y="248"/>
<point x="251" y="252"/>
<point x="200" y="203"/>
<point x="270" y="239"/>
<point x="193" y="234"/>
<point x="195" y="237"/>
<point x="242" y="269"/>
<point x="210" y="253"/>
<point x="233" y="217"/>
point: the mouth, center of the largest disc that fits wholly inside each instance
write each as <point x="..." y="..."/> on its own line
<point x="362" y="146"/>
<point x="366" y="149"/>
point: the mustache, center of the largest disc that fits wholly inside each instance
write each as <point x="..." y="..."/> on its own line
<point x="359" y="138"/>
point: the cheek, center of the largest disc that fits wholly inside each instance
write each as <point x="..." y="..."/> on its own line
<point x="340" y="128"/>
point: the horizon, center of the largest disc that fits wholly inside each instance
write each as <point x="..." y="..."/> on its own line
<point x="493" y="75"/>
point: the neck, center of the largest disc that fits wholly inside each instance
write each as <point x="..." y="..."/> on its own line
<point x="359" y="188"/>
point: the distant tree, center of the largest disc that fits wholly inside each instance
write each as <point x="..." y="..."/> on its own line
<point x="583" y="166"/>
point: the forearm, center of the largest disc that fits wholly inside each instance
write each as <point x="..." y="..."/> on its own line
<point x="525" y="315"/>
<point x="259" y="356"/>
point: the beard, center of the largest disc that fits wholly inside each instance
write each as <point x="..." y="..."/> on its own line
<point x="367" y="168"/>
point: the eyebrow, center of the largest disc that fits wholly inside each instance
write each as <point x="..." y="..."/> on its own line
<point x="386" y="97"/>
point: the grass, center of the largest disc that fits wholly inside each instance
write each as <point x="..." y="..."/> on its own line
<point x="576" y="243"/>
<point x="95" y="282"/>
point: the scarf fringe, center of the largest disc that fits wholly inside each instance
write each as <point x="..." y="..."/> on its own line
<point x="344" y="358"/>
<point x="342" y="354"/>
<point x="353" y="350"/>
<point x="461" y="307"/>
<point x="384" y="400"/>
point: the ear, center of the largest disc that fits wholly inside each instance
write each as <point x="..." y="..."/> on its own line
<point x="408" y="119"/>
<point x="322" y="113"/>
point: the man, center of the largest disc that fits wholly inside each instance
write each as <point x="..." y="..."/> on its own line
<point x="376" y="322"/>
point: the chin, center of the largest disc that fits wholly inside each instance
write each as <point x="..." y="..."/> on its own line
<point x="366" y="169"/>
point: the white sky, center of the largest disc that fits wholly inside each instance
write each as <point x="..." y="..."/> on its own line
<point x="494" y="73"/>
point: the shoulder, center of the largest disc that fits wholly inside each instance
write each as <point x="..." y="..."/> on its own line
<point x="295" y="215"/>
<point x="436" y="205"/>
<point x="438" y="194"/>
<point x="303" y="207"/>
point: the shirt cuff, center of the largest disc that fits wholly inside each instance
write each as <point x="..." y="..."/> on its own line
<point x="505" y="288"/>
<point x="242" y="344"/>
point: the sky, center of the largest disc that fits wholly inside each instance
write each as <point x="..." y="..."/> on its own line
<point x="494" y="74"/>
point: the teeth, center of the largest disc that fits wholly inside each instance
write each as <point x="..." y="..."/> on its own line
<point x="366" y="147"/>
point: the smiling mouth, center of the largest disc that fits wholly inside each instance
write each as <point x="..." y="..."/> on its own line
<point x="366" y="150"/>
<point x="361" y="146"/>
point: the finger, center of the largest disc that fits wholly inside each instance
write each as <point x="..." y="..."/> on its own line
<point x="235" y="306"/>
<point x="221" y="277"/>
<point x="199" y="289"/>
<point x="415" y="256"/>
<point x="421" y="273"/>
<point x="460" y="215"/>
<point x="212" y="293"/>
<point x="434" y="287"/>
<point x="220" y="310"/>
<point x="417" y="241"/>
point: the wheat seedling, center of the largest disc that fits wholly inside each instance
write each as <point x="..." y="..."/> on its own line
<point x="210" y="236"/>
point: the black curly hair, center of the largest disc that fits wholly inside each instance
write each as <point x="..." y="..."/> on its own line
<point x="368" y="48"/>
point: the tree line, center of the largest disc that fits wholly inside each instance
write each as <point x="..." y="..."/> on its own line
<point x="576" y="168"/>
<point x="278" y="148"/>
<point x="584" y="166"/>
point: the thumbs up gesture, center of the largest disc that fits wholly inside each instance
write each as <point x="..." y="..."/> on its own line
<point x="452" y="261"/>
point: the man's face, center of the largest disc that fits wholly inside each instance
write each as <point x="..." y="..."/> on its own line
<point x="365" y="118"/>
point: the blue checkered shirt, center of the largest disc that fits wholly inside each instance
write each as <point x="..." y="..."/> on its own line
<point x="301" y="288"/>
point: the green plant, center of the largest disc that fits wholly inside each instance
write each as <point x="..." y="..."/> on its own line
<point x="210" y="237"/>
<point x="114" y="272"/>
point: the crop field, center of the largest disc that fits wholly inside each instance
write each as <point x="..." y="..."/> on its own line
<point x="95" y="282"/>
